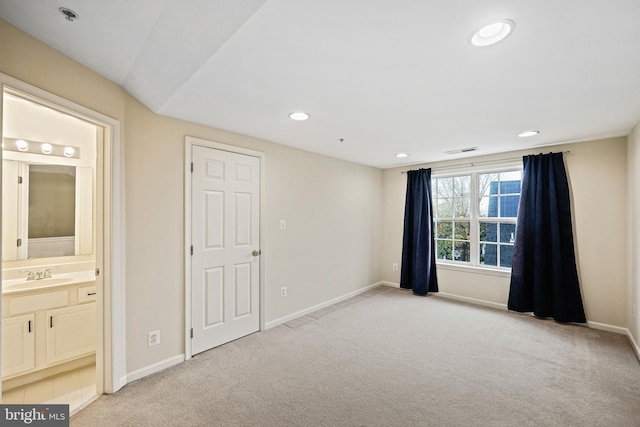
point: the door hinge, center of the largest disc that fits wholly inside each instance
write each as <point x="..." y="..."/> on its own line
<point x="19" y="180"/>
<point x="191" y="167"/>
<point x="191" y="249"/>
<point x="19" y="242"/>
<point x="97" y="271"/>
<point x="191" y="332"/>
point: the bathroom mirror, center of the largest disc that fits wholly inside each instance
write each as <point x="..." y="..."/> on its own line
<point x="47" y="210"/>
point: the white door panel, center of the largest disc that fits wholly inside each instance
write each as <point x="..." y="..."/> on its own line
<point x="225" y="231"/>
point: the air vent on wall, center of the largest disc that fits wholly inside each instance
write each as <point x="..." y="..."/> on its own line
<point x="462" y="150"/>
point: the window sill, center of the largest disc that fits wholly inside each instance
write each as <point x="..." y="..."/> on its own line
<point x="474" y="270"/>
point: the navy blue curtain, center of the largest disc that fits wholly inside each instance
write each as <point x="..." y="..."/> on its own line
<point x="418" y="246"/>
<point x="544" y="277"/>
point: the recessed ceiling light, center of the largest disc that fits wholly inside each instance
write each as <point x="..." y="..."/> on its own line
<point x="493" y="33"/>
<point x="402" y="155"/>
<point x="69" y="15"/>
<point x="69" y="151"/>
<point x="299" y="115"/>
<point x="528" y="133"/>
<point x="47" y="148"/>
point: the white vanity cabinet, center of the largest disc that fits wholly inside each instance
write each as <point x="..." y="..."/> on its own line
<point x="71" y="332"/>
<point x="42" y="328"/>
<point x="19" y="345"/>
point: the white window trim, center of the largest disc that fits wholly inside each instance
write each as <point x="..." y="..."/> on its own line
<point x="474" y="265"/>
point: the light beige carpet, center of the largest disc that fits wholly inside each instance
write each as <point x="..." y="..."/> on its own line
<point x="389" y="358"/>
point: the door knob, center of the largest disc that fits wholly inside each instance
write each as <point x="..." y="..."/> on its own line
<point x="256" y="253"/>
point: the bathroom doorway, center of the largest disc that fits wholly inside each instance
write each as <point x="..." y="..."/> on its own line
<point x="58" y="268"/>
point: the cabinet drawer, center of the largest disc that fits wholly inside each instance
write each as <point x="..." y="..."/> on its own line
<point x="31" y="303"/>
<point x="86" y="294"/>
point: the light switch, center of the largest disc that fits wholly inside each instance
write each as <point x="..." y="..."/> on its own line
<point x="283" y="224"/>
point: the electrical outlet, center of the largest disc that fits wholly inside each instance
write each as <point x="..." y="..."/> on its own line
<point x="153" y="338"/>
<point x="395" y="265"/>
<point x="283" y="291"/>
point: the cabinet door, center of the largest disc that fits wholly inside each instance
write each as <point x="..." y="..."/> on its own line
<point x="71" y="332"/>
<point x="18" y="345"/>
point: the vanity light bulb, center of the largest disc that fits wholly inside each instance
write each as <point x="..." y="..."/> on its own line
<point x="68" y="151"/>
<point x="47" y="148"/>
<point x="22" y="145"/>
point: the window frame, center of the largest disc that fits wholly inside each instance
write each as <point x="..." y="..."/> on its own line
<point x="474" y="219"/>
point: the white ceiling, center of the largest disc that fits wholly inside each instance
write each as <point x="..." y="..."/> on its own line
<point x="384" y="75"/>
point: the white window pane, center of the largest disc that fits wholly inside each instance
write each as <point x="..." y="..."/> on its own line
<point x="488" y="184"/>
<point x="509" y="206"/>
<point x="444" y="249"/>
<point x="462" y="207"/>
<point x="462" y="230"/>
<point x="498" y="196"/>
<point x="444" y="208"/>
<point x="507" y="233"/>
<point x="488" y="232"/>
<point x="506" y="255"/>
<point x="511" y="176"/>
<point x="488" y="207"/>
<point x="462" y="251"/>
<point x="444" y="230"/>
<point x="488" y="254"/>
<point x="462" y="185"/>
<point x="445" y="188"/>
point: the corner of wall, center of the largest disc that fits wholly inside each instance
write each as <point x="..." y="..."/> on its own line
<point x="633" y="245"/>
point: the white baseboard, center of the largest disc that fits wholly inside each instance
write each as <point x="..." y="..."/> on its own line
<point x="590" y="324"/>
<point x="289" y="317"/>
<point x="470" y="300"/>
<point x="167" y="363"/>
<point x="607" y="327"/>
<point x="458" y="298"/>
<point x="156" y="367"/>
<point x="634" y="344"/>
<point x="83" y="405"/>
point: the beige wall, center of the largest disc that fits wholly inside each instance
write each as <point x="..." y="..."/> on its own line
<point x="331" y="245"/>
<point x="342" y="218"/>
<point x="33" y="62"/>
<point x="634" y="240"/>
<point x="597" y="174"/>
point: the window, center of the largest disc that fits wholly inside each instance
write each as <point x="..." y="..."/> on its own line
<point x="453" y="218"/>
<point x="475" y="217"/>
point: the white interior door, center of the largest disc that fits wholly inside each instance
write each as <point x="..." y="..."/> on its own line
<point x="225" y="267"/>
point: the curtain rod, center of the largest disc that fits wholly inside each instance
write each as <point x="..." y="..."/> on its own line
<point x="471" y="164"/>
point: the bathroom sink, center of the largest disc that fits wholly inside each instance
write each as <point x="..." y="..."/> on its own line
<point x="34" y="284"/>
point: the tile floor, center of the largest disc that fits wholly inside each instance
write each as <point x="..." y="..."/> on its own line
<point x="76" y="388"/>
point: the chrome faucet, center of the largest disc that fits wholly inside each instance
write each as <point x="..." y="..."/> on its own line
<point x="38" y="274"/>
<point x="30" y="274"/>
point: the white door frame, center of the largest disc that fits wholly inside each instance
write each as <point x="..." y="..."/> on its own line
<point x="189" y="143"/>
<point x="110" y="244"/>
